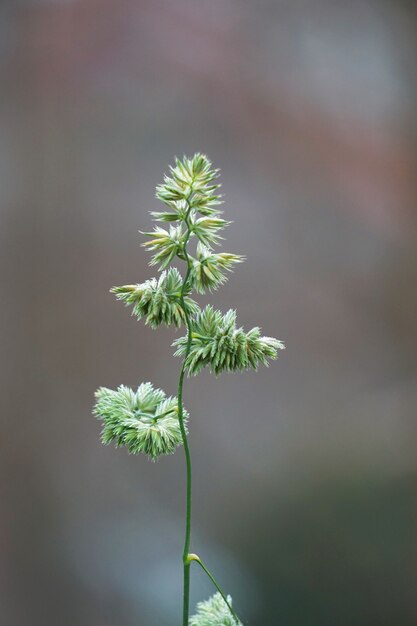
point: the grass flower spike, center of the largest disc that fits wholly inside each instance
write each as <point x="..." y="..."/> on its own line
<point x="191" y="183"/>
<point x="209" y="269"/>
<point x="207" y="229"/>
<point x="167" y="244"/>
<point x="147" y="420"/>
<point x="158" y="299"/>
<point x="144" y="420"/>
<point x="216" y="342"/>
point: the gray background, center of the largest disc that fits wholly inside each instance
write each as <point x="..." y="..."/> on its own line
<point x="305" y="473"/>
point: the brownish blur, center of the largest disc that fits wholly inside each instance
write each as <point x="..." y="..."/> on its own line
<point x="305" y="473"/>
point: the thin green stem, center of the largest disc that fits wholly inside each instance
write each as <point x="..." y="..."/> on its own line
<point x="187" y="557"/>
<point x="186" y="563"/>
<point x="194" y="557"/>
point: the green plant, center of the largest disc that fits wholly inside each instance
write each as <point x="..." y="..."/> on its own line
<point x="146" y="420"/>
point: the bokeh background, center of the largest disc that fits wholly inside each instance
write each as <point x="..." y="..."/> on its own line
<point x="305" y="474"/>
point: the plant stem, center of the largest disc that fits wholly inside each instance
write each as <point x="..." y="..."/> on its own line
<point x="186" y="563"/>
<point x="187" y="558"/>
<point x="194" y="557"/>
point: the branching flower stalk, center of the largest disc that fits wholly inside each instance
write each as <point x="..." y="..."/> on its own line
<point x="185" y="556"/>
<point x="147" y="420"/>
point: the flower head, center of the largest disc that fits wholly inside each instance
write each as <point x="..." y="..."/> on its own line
<point x="209" y="269"/>
<point x="214" y="612"/>
<point x="191" y="181"/>
<point x="167" y="244"/>
<point x="145" y="420"/>
<point x="206" y="229"/>
<point x="158" y="300"/>
<point x="220" y="345"/>
<point x="190" y="193"/>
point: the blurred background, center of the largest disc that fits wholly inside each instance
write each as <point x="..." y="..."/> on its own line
<point x="305" y="474"/>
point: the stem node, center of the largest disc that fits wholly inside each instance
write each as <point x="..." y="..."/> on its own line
<point x="193" y="557"/>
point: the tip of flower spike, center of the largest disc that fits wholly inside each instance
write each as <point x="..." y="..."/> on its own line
<point x="122" y="289"/>
<point x="190" y="180"/>
<point x="276" y="343"/>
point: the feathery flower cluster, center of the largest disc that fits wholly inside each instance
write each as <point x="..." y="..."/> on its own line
<point x="190" y="192"/>
<point x="208" y="269"/>
<point x="206" y="229"/>
<point x="191" y="195"/>
<point x="214" y="612"/>
<point x="145" y="420"/>
<point x="158" y="300"/>
<point x="191" y="183"/>
<point x="220" y="345"/>
<point x="167" y="244"/>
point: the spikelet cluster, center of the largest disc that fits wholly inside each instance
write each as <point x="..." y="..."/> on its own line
<point x="214" y="612"/>
<point x="145" y="420"/>
<point x="190" y="192"/>
<point x="191" y="182"/>
<point x="167" y="244"/>
<point x="209" y="268"/>
<point x="219" y="344"/>
<point x="158" y="299"/>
